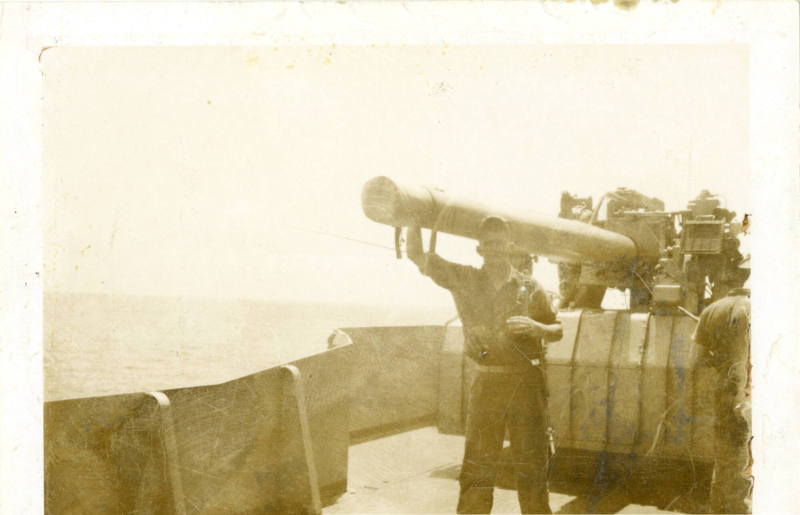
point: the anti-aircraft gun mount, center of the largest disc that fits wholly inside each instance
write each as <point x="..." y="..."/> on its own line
<point x="626" y="390"/>
<point x="699" y="259"/>
<point x="667" y="259"/>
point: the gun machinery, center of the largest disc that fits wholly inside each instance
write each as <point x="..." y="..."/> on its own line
<point x="667" y="259"/>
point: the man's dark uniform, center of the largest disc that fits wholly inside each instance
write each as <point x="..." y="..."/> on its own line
<point x="724" y="334"/>
<point x="510" y="387"/>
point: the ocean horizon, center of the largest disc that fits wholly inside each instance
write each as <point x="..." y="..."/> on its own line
<point x="104" y="344"/>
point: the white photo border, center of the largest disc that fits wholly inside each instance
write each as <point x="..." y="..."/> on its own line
<point x="768" y="28"/>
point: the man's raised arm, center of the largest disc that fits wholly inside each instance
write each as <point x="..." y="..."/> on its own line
<point x="444" y="273"/>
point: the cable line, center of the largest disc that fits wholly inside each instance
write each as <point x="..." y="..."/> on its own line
<point x="339" y="236"/>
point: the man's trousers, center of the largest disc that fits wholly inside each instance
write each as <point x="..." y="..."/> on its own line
<point x="517" y="400"/>
<point x="729" y="488"/>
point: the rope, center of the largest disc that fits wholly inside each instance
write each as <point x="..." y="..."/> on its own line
<point x="660" y="427"/>
<point x="688" y="313"/>
<point x="643" y="282"/>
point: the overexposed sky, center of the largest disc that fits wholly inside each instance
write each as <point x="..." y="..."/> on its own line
<point x="202" y="171"/>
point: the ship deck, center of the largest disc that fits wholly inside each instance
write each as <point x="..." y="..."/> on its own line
<point x="417" y="472"/>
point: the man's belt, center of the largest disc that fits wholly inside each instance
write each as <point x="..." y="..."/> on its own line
<point x="507" y="369"/>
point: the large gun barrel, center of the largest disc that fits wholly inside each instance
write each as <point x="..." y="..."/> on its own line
<point x="384" y="201"/>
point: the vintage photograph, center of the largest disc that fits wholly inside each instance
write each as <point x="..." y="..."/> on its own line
<point x="390" y="278"/>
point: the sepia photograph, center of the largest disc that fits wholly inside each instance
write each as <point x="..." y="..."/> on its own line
<point x="465" y="274"/>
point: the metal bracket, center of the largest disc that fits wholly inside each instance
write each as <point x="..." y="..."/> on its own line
<point x="294" y="391"/>
<point x="171" y="449"/>
<point x="398" y="231"/>
<point x="572" y="365"/>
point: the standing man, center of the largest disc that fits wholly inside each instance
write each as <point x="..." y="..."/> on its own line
<point x="723" y="339"/>
<point x="506" y="317"/>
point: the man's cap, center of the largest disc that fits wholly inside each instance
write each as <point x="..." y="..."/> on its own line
<point x="494" y="228"/>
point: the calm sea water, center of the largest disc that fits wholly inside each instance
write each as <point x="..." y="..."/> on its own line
<point x="107" y="344"/>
